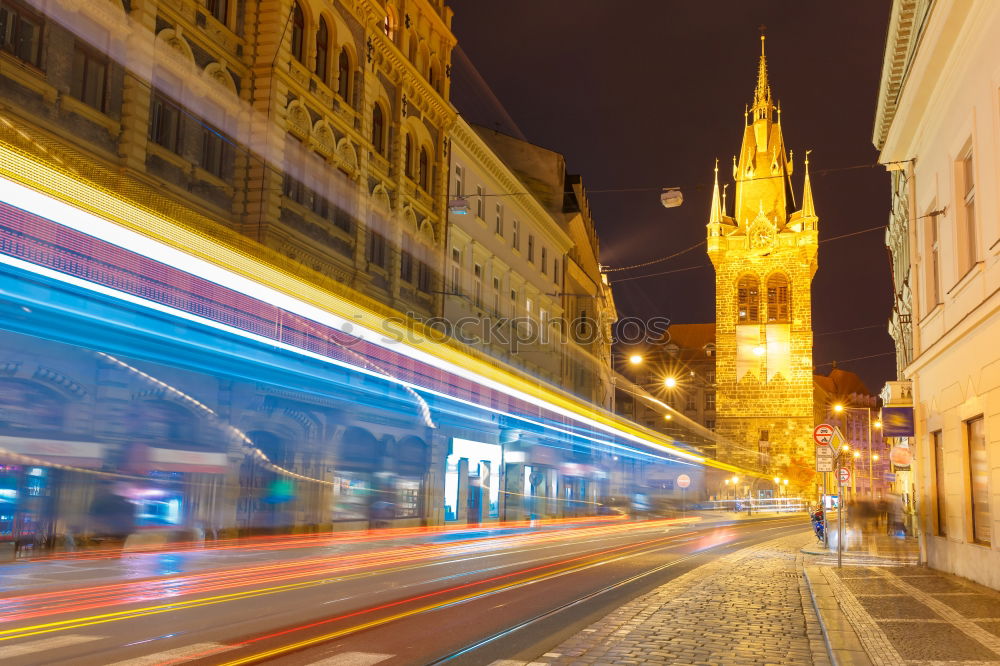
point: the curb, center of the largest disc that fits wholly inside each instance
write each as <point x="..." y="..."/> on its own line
<point x="842" y="643"/>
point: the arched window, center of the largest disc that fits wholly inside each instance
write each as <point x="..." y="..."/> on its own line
<point x="422" y="171"/>
<point x="748" y="300"/>
<point x="298" y="32"/>
<point x="378" y="129"/>
<point x="344" y="75"/>
<point x="778" y="301"/>
<point x="408" y="156"/>
<point x="322" y="51"/>
<point x="389" y="25"/>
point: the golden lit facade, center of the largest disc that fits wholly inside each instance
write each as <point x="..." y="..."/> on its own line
<point x="765" y="258"/>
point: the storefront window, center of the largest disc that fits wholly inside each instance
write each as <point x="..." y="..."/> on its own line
<point x="351" y="496"/>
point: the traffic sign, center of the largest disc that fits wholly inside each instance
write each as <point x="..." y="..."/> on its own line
<point x="824" y="458"/>
<point x="823" y="434"/>
<point x="683" y="481"/>
<point x="844" y="476"/>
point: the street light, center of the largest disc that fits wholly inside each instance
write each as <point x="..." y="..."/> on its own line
<point x="670" y="382"/>
<point x="838" y="408"/>
<point x="635" y="359"/>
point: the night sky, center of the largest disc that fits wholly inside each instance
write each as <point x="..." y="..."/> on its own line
<point x="647" y="93"/>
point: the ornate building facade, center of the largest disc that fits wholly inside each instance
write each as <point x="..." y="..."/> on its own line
<point x="765" y="258"/>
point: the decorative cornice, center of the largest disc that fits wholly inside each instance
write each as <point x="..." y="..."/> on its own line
<point x="906" y="24"/>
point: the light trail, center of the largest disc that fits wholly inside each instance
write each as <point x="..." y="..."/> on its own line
<point x="87" y="599"/>
<point x="362" y="323"/>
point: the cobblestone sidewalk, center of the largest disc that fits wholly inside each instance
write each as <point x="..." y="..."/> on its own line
<point x="749" y="607"/>
<point x="909" y="615"/>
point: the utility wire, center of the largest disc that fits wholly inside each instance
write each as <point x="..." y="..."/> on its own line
<point x="857" y="358"/>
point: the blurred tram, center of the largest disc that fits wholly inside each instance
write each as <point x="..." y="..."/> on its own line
<point x="149" y="397"/>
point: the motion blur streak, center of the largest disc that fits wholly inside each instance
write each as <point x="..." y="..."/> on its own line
<point x="111" y="595"/>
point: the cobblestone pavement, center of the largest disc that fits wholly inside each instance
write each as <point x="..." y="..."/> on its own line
<point x="748" y="607"/>
<point x="910" y="615"/>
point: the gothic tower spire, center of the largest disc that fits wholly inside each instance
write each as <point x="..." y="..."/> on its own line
<point x="764" y="255"/>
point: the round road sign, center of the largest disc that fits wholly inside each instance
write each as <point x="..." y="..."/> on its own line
<point x="823" y="434"/>
<point x="683" y="481"/>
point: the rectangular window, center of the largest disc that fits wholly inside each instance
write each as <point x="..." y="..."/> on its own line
<point x="406" y="267"/>
<point x="480" y="204"/>
<point x="939" y="484"/>
<point x="343" y="220"/>
<point x="709" y="401"/>
<point x="513" y="295"/>
<point x="979" y="477"/>
<point x="90" y="76"/>
<point x="425" y="277"/>
<point x="217" y="153"/>
<point x="515" y="235"/>
<point x="934" y="260"/>
<point x="477" y="272"/>
<point x="375" y="250"/>
<point x="458" y="181"/>
<point x="710" y="424"/>
<point x="496" y="295"/>
<point x="165" y="123"/>
<point x="555" y="270"/>
<point x="218" y="9"/>
<point x="21" y="32"/>
<point x="969" y="241"/>
<point x="456" y="271"/>
<point x="689" y="403"/>
<point x="545" y="261"/>
<point x="499" y="221"/>
<point x="531" y="248"/>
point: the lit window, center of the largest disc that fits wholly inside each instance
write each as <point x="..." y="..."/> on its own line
<point x="777" y="298"/>
<point x="748" y="296"/>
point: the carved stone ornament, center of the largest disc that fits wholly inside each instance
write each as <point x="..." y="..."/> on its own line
<point x="298" y="120"/>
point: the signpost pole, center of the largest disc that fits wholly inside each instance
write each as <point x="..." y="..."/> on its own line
<point x="826" y="533"/>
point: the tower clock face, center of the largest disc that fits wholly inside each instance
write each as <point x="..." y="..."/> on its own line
<point x="761" y="235"/>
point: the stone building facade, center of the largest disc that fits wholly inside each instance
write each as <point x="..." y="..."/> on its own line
<point x="765" y="257"/>
<point x="318" y="129"/>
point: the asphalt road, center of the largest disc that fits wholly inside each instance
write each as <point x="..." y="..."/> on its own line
<point x="444" y="598"/>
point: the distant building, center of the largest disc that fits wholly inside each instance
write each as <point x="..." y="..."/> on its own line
<point x="841" y="399"/>
<point x="765" y="257"/>
<point x="506" y="255"/>
<point x="588" y="306"/>
<point x="936" y="129"/>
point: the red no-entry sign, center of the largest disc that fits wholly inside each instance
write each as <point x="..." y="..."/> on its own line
<point x="823" y="434"/>
<point x="844" y="476"/>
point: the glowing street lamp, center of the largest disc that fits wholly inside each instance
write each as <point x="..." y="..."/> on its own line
<point x="635" y="359"/>
<point x="838" y="408"/>
<point x="670" y="382"/>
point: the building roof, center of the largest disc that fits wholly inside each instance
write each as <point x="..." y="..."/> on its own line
<point x="841" y="382"/>
<point x="690" y="336"/>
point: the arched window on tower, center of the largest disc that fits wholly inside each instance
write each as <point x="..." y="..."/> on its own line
<point x="298" y="32"/>
<point x="778" y="301"/>
<point x="322" y="51"/>
<point x="378" y="129"/>
<point x="748" y="300"/>
<point x="344" y="75"/>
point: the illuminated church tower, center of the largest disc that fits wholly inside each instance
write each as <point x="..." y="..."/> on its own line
<point x="765" y="257"/>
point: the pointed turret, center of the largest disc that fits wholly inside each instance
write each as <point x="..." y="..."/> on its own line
<point x="715" y="216"/>
<point x="762" y="105"/>
<point x="808" y="208"/>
